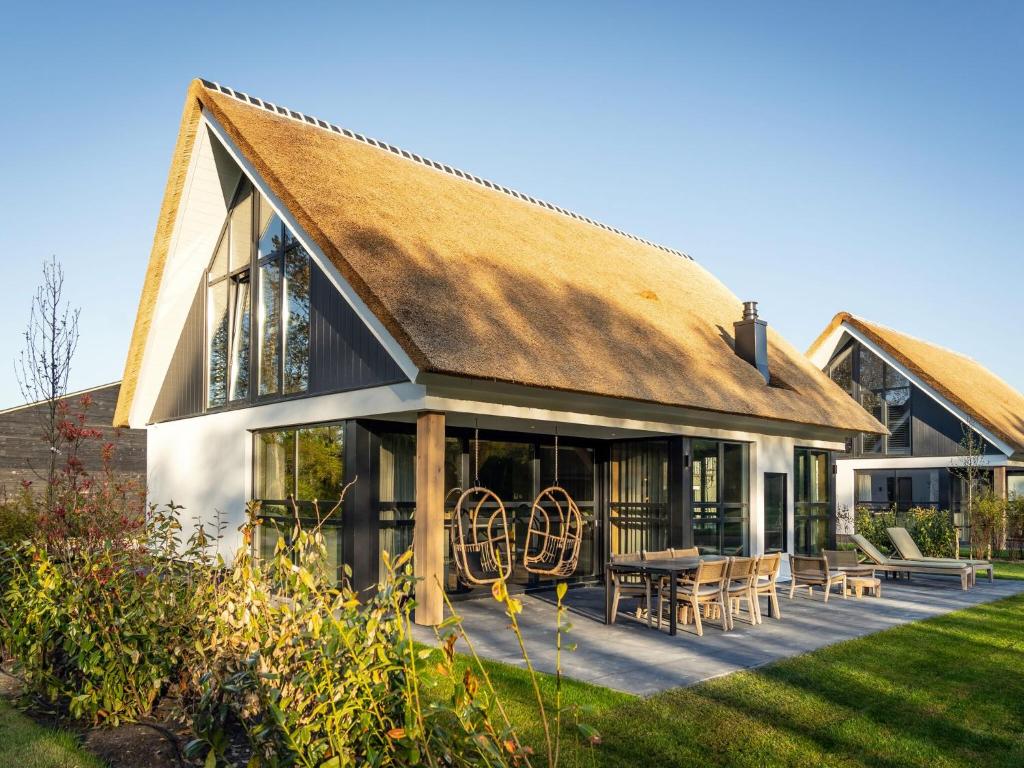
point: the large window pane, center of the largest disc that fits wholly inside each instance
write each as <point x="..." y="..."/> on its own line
<point x="240" y="336"/>
<point x="218" y="334"/>
<point x="270" y="328"/>
<point x="275" y="465"/>
<point x="812" y="502"/>
<point x="576" y="476"/>
<point x="507" y="469"/>
<point x="575" y="470"/>
<point x="318" y="475"/>
<point x="871" y="372"/>
<point x="296" y="359"/>
<point x="705" y="471"/>
<point x="320" y="469"/>
<point x="720" y="497"/>
<point x="397" y="494"/>
<point x="734" y="476"/>
<point x="241" y="230"/>
<point x="842" y="373"/>
<point x="638" y="496"/>
<point x="219" y="265"/>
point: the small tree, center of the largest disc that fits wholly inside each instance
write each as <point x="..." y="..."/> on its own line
<point x="44" y="365"/>
<point x="968" y="467"/>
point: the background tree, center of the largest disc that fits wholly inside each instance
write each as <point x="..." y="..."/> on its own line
<point x="44" y="365"/>
<point x="968" y="467"/>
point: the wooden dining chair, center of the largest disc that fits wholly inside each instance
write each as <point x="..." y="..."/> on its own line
<point x="688" y="552"/>
<point x="740" y="587"/>
<point x="627" y="585"/>
<point x="708" y="588"/>
<point x="814" y="572"/>
<point x="768" y="567"/>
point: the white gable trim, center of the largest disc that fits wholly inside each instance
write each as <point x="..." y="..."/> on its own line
<point x="825" y="352"/>
<point x="358" y="305"/>
<point x="200" y="214"/>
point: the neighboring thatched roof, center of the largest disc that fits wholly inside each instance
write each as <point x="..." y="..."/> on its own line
<point x="964" y="382"/>
<point x="477" y="281"/>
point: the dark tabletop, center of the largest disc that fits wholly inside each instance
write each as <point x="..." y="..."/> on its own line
<point x="665" y="565"/>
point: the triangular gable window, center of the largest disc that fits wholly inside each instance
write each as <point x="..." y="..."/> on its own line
<point x="258" y="270"/>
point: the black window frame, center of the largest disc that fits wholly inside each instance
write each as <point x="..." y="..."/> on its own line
<point x="289" y="244"/>
<point x="863" y="443"/>
<point x="720" y="507"/>
<point x="803" y="516"/>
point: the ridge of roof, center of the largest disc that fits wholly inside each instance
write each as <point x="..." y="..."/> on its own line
<point x="317" y="122"/>
<point x="918" y="339"/>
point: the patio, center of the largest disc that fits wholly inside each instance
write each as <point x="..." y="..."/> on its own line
<point x="629" y="657"/>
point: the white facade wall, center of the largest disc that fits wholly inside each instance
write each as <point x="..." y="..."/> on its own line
<point x="846" y="490"/>
<point x="204" y="463"/>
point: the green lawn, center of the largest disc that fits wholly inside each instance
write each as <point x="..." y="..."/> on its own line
<point x="1010" y="570"/>
<point x="943" y="692"/>
<point x="26" y="745"/>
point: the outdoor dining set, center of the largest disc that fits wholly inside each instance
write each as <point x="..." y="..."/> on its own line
<point x="685" y="586"/>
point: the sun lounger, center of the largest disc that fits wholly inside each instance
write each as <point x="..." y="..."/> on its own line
<point x="892" y="565"/>
<point x="909" y="550"/>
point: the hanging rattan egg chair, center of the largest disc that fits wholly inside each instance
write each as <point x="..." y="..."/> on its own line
<point x="554" y="533"/>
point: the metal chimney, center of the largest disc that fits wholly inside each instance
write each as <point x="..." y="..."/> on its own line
<point x="752" y="339"/>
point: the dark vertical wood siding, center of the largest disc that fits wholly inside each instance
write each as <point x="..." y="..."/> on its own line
<point x="936" y="431"/>
<point x="182" y="391"/>
<point x="343" y="354"/>
<point x="24" y="453"/>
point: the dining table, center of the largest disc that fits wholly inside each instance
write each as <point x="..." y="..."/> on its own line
<point x="672" y="567"/>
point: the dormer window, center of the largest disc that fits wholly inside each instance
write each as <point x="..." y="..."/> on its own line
<point x="266" y="276"/>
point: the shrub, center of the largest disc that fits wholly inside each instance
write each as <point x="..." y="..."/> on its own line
<point x="101" y="628"/>
<point x="871" y="524"/>
<point x="1015" y="527"/>
<point x="17" y="524"/>
<point x="316" y="676"/>
<point x="987" y="525"/>
<point x="931" y="529"/>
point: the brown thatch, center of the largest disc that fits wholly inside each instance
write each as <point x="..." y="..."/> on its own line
<point x="472" y="281"/>
<point x="964" y="382"/>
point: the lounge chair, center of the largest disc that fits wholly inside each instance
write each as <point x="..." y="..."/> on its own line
<point x="814" y="572"/>
<point x="891" y="565"/>
<point x="909" y="550"/>
<point x="768" y="567"/>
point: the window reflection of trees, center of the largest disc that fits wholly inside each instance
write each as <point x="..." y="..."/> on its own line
<point x="279" y="300"/>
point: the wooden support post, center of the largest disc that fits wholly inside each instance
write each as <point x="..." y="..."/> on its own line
<point x="428" y="533"/>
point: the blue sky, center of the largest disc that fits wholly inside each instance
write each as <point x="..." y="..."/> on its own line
<point x="814" y="156"/>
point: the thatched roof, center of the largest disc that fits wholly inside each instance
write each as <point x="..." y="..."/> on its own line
<point x="965" y="383"/>
<point x="477" y="281"/>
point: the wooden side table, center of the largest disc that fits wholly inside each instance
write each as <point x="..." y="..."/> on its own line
<point x="857" y="584"/>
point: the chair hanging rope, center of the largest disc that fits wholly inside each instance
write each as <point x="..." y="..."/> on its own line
<point x="555" y="531"/>
<point x="481" y="547"/>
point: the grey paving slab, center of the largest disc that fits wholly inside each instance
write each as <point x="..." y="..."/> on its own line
<point x="627" y="656"/>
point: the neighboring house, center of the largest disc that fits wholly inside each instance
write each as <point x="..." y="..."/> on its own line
<point x="929" y="397"/>
<point x="24" y="453"/>
<point x="321" y="307"/>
